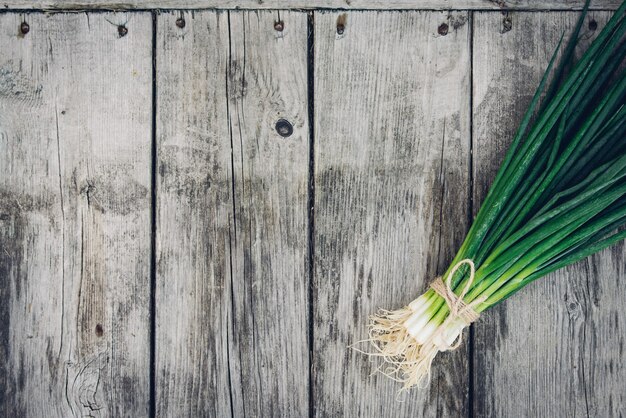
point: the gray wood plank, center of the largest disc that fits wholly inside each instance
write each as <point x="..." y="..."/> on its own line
<point x="314" y="4"/>
<point x="556" y="347"/>
<point x="232" y="243"/>
<point x="392" y="154"/>
<point x="75" y="118"/>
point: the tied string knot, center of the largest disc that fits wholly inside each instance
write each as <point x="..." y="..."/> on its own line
<point x="459" y="310"/>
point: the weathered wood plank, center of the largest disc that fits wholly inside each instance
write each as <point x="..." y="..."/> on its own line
<point x="392" y="156"/>
<point x="314" y="4"/>
<point x="555" y="348"/>
<point x="232" y="243"/>
<point x="75" y="117"/>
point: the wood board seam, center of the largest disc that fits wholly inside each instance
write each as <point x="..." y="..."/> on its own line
<point x="311" y="202"/>
<point x="153" y="226"/>
<point x="234" y="215"/>
<point x="470" y="196"/>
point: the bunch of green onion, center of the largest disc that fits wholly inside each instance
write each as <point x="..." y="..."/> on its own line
<point x="559" y="196"/>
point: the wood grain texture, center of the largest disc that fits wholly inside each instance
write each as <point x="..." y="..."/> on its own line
<point x="232" y="243"/>
<point x="391" y="195"/>
<point x="314" y="4"/>
<point x="75" y="215"/>
<point x="556" y="347"/>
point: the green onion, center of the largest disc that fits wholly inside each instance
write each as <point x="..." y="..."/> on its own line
<point x="559" y="196"/>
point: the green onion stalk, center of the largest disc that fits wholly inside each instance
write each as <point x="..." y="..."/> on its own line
<point x="558" y="197"/>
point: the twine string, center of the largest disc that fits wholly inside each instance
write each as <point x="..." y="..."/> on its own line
<point x="459" y="310"/>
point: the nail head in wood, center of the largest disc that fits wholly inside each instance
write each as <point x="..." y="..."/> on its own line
<point x="341" y="23"/>
<point x="279" y="26"/>
<point x="593" y="25"/>
<point x="122" y="30"/>
<point x="443" y="29"/>
<point x="284" y="128"/>
<point x="24" y="28"/>
<point x="180" y="22"/>
<point x="507" y="24"/>
<point x="99" y="330"/>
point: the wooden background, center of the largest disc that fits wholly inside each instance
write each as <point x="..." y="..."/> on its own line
<point x="165" y="252"/>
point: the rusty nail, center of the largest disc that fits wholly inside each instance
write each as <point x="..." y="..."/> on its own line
<point x="593" y="25"/>
<point x="122" y="30"/>
<point x="443" y="29"/>
<point x="180" y="22"/>
<point x="99" y="330"/>
<point x="284" y="128"/>
<point x="279" y="26"/>
<point x="341" y="24"/>
<point x="24" y="28"/>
